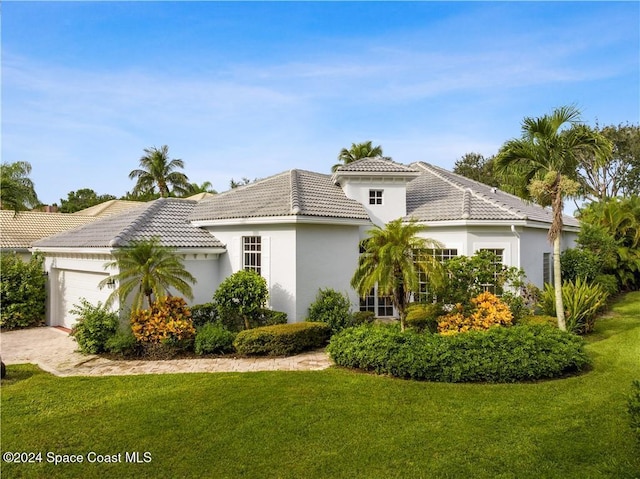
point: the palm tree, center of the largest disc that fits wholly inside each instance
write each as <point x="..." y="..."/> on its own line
<point x="157" y="170"/>
<point x="148" y="269"/>
<point x="545" y="162"/>
<point x="357" y="151"/>
<point x="205" y="187"/>
<point x="392" y="260"/>
<point x="17" y="192"/>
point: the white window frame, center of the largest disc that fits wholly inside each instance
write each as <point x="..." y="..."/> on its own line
<point x="252" y="259"/>
<point x="376" y="197"/>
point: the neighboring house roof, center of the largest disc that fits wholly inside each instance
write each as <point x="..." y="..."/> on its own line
<point x="200" y="196"/>
<point x="439" y="195"/>
<point x="107" y="208"/>
<point x="165" y="218"/>
<point x="292" y="193"/>
<point x="19" y="231"/>
<point x="376" y="165"/>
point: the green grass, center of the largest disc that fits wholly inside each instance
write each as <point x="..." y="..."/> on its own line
<point x="335" y="423"/>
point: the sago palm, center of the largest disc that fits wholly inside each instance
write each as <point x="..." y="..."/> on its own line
<point x="358" y="151"/>
<point x="156" y="170"/>
<point x="393" y="262"/>
<point x="545" y="160"/>
<point x="148" y="270"/>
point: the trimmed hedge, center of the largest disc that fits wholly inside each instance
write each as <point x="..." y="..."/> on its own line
<point x="518" y="353"/>
<point x="213" y="338"/>
<point x="282" y="339"/>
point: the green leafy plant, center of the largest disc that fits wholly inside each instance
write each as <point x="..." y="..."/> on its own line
<point x="519" y="353"/>
<point x="362" y="317"/>
<point x="282" y="339"/>
<point x="96" y="324"/>
<point x="243" y="295"/>
<point x="579" y="263"/>
<point x="582" y="302"/>
<point x="214" y="339"/>
<point x="202" y="314"/>
<point x="22" y="291"/>
<point x="332" y="308"/>
<point x="424" y="316"/>
<point x="123" y="343"/>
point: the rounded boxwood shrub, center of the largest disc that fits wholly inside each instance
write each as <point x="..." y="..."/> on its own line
<point x="282" y="339"/>
<point x="332" y="308"/>
<point x="214" y="339"/>
<point x="518" y="353"/>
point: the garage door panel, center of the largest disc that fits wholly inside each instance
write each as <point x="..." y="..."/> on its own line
<point x="74" y="285"/>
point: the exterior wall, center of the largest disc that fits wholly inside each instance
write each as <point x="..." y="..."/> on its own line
<point x="205" y="269"/>
<point x="394" y="199"/>
<point x="534" y="245"/>
<point x="326" y="257"/>
<point x="278" y="260"/>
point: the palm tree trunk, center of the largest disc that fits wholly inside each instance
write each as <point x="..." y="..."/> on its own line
<point x="557" y="280"/>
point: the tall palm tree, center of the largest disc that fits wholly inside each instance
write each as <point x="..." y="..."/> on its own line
<point x="392" y="261"/>
<point x="357" y="151"/>
<point x="204" y="187"/>
<point x="545" y="162"/>
<point x="147" y="269"/>
<point x="157" y="170"/>
<point x="17" y="192"/>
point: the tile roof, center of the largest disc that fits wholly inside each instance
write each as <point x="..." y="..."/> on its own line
<point x="292" y="193"/>
<point x="107" y="208"/>
<point x="21" y="230"/>
<point x="165" y="218"/>
<point x="440" y="195"/>
<point x="375" y="165"/>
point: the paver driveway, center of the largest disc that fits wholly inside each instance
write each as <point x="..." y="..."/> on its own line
<point x="54" y="351"/>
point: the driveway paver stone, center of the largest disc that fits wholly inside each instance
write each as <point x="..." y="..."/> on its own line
<point x="54" y="351"/>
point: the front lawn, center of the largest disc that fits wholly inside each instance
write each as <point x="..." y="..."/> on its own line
<point x="333" y="423"/>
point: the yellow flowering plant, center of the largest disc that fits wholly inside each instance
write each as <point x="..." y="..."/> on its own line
<point x="488" y="311"/>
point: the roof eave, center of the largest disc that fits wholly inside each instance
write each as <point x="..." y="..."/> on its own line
<point x="288" y="219"/>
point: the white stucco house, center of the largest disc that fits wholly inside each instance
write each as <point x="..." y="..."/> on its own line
<point x="301" y="231"/>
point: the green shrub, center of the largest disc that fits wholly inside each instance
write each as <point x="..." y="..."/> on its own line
<point x="634" y="408"/>
<point x="233" y="321"/>
<point x="96" y="324"/>
<point x="517" y="305"/>
<point x="423" y="316"/>
<point x="579" y="263"/>
<point x="241" y="296"/>
<point x="282" y="339"/>
<point x="582" y="303"/>
<point x="362" y="317"/>
<point x="202" y="314"/>
<point x="539" y="319"/>
<point x="214" y="339"/>
<point x="331" y="308"/>
<point x="269" y="317"/>
<point x="608" y="282"/>
<point x="22" y="291"/>
<point x="519" y="353"/>
<point x="122" y="343"/>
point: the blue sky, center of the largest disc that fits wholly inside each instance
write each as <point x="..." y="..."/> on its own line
<point x="254" y="89"/>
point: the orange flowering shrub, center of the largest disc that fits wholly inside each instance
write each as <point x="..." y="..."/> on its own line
<point x="168" y="321"/>
<point x="488" y="311"/>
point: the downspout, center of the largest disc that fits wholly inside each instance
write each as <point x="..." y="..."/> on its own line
<point x="517" y="235"/>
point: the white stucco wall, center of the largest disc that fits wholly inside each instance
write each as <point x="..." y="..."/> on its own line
<point x="278" y="260"/>
<point x="394" y="198"/>
<point x="326" y="257"/>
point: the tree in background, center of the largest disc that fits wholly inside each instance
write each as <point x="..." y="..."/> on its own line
<point x="148" y="270"/>
<point x="17" y="191"/>
<point x="195" y="188"/>
<point x="82" y="199"/>
<point x="393" y="262"/>
<point x="476" y="167"/>
<point x="358" y="151"/>
<point x="156" y="170"/>
<point x="611" y="230"/>
<point x="242" y="182"/>
<point x="618" y="173"/>
<point x="546" y="159"/>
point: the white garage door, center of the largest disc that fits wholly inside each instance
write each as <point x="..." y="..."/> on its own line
<point x="73" y="285"/>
